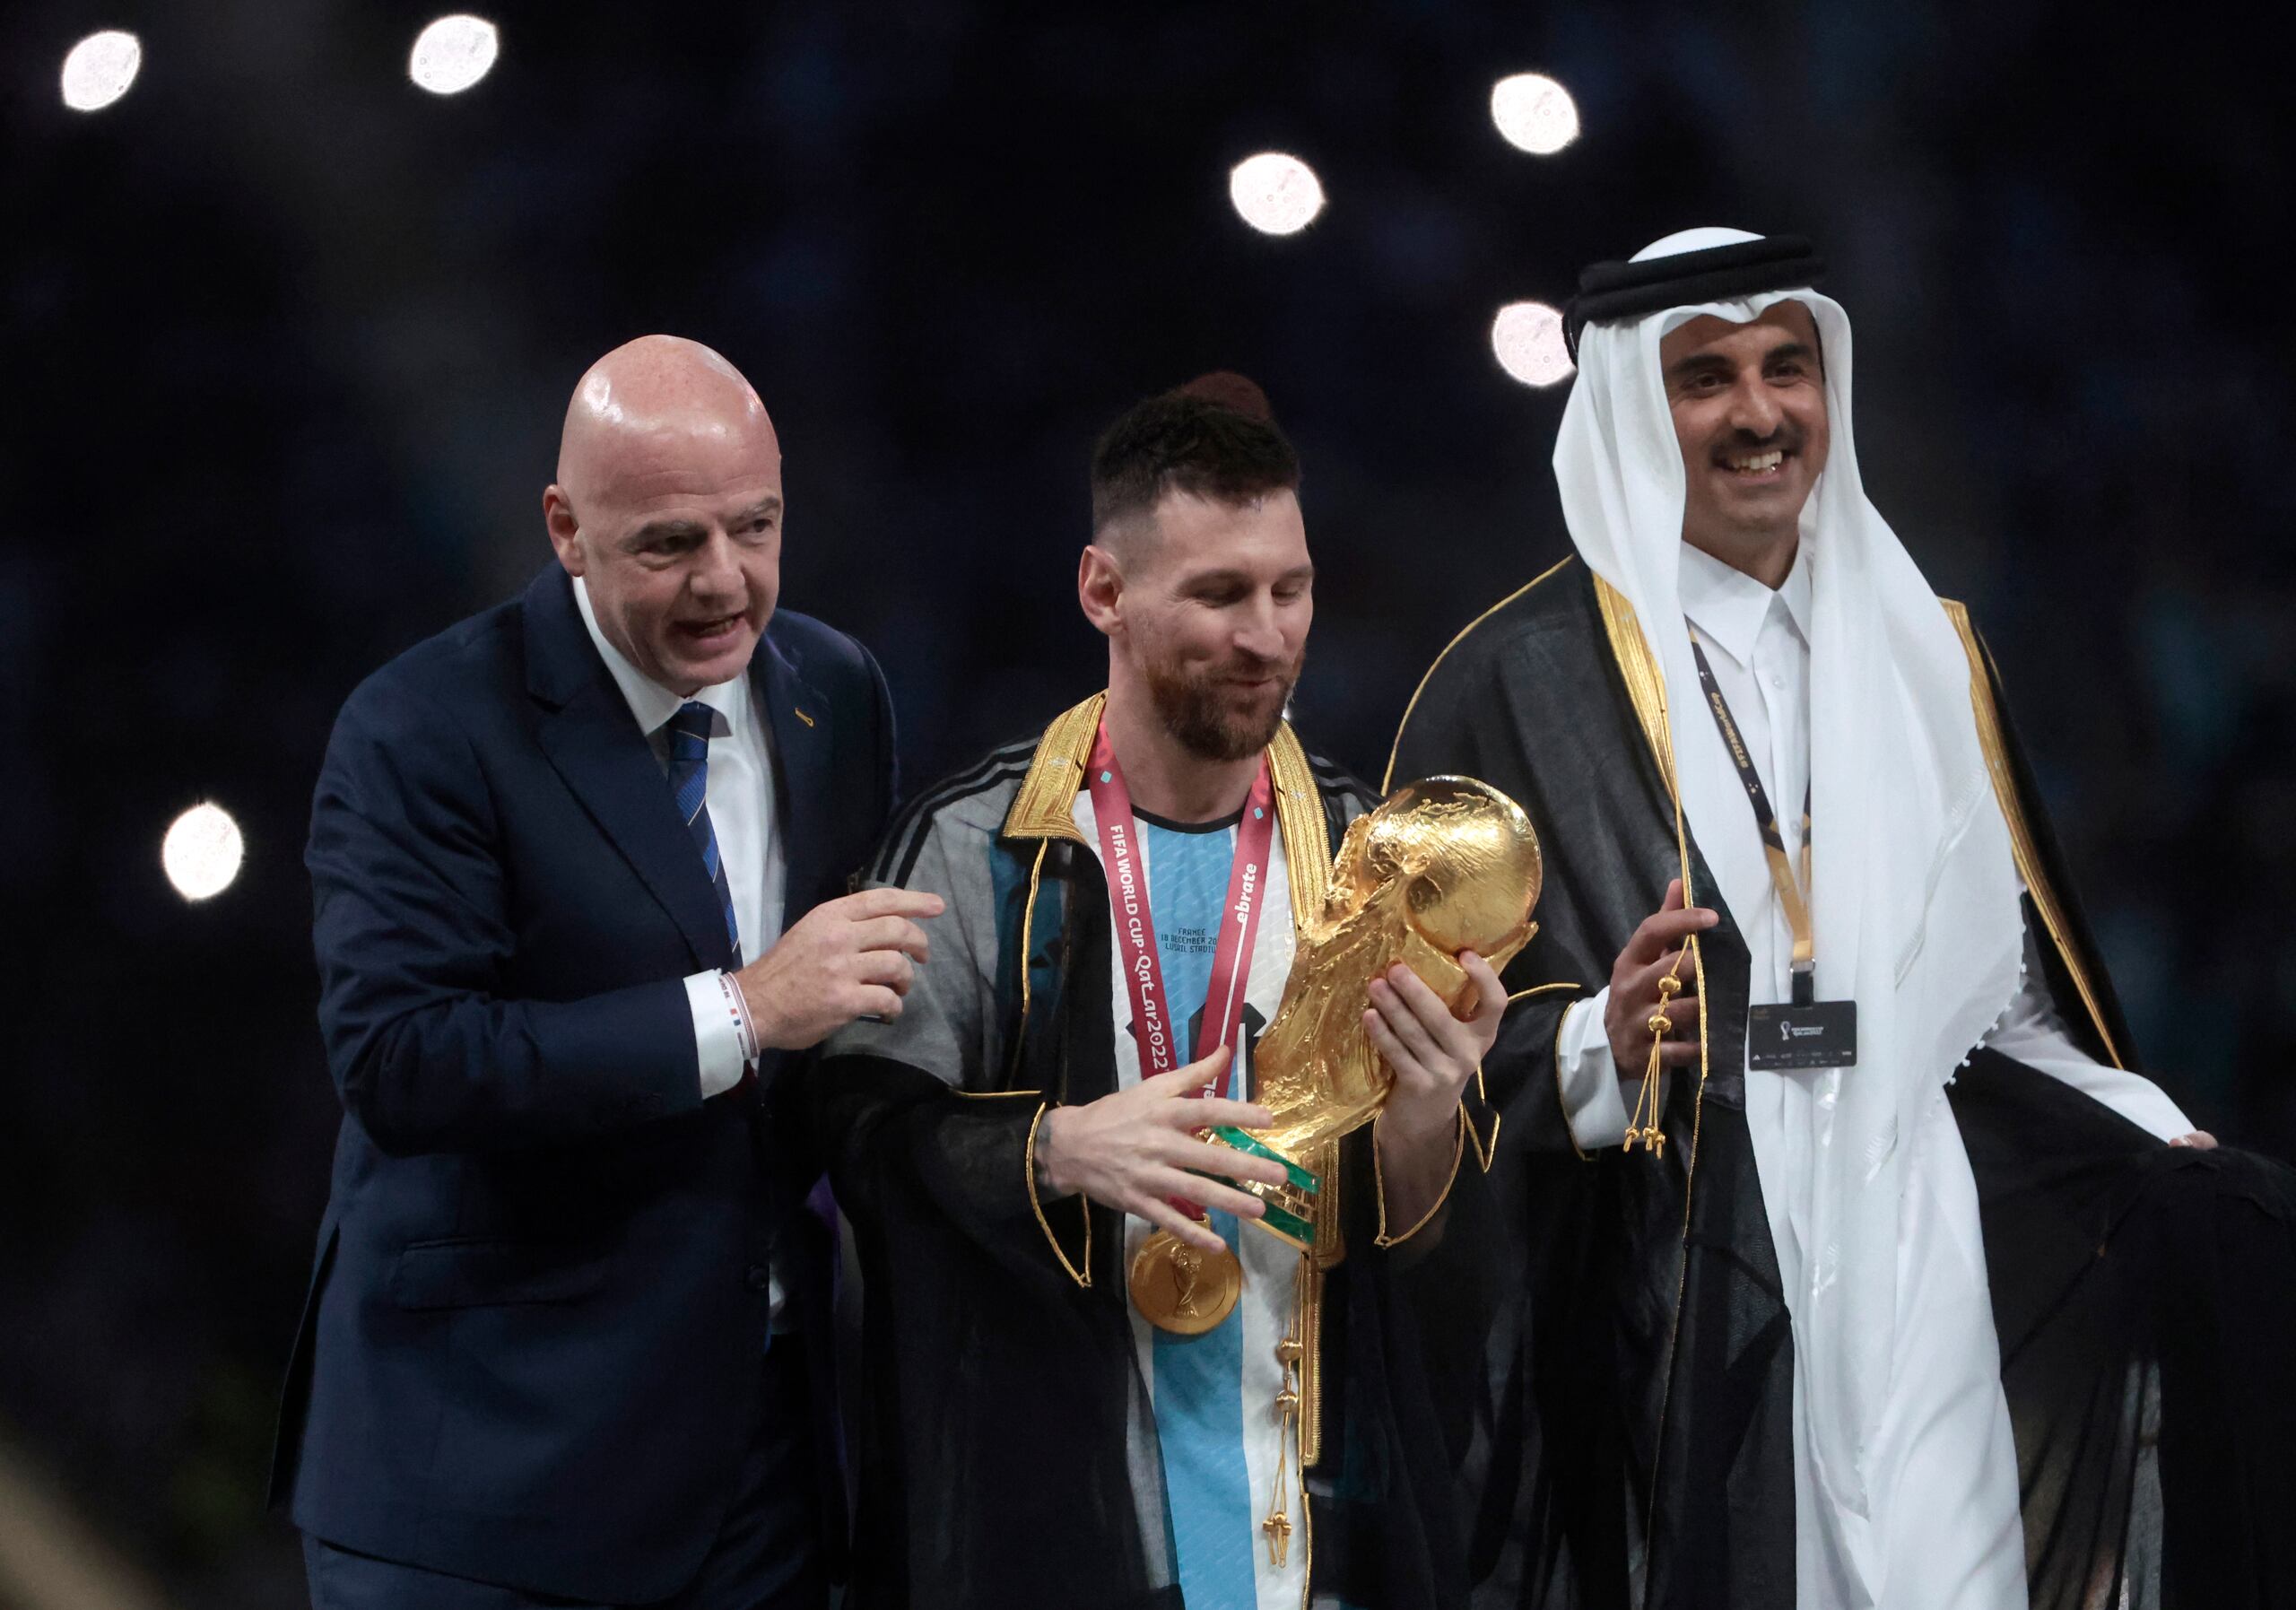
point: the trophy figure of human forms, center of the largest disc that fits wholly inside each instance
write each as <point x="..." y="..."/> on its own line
<point x="1445" y="864"/>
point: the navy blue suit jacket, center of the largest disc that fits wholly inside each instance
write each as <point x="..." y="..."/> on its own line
<point x="532" y="1348"/>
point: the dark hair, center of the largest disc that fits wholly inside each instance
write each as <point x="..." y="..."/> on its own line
<point x="1214" y="437"/>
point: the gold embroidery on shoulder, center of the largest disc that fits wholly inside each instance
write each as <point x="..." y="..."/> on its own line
<point x="1646" y="684"/>
<point x="1045" y="806"/>
<point x="1300" y="813"/>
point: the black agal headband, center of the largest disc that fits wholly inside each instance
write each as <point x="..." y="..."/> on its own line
<point x="1615" y="291"/>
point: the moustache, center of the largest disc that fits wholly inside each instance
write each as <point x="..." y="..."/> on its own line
<point x="1787" y="438"/>
<point x="1253" y="667"/>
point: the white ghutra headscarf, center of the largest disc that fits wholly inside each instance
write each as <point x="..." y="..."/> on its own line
<point x="1915" y="903"/>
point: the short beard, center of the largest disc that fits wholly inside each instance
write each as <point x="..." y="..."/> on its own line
<point x="1191" y="710"/>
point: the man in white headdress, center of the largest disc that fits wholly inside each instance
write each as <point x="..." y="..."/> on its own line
<point x="1854" y="1193"/>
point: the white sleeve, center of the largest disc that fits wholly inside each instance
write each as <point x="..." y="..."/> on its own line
<point x="2031" y="1032"/>
<point x="717" y="1037"/>
<point x="1594" y="1101"/>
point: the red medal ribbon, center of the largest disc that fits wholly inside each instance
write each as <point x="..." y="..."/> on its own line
<point x="1135" y="929"/>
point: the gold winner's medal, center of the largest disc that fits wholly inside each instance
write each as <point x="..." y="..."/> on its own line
<point x="1177" y="1287"/>
<point x="1184" y="1289"/>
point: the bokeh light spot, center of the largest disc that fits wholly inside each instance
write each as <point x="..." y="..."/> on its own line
<point x="1274" y="193"/>
<point x="100" y="68"/>
<point x="202" y="851"/>
<point x="453" y="54"/>
<point x="1535" y="113"/>
<point x="1527" y="339"/>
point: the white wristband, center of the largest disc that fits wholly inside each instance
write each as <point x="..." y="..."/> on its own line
<point x="740" y="1009"/>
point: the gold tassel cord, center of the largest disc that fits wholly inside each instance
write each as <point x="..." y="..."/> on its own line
<point x="1277" y="1527"/>
<point x="1638" y="1128"/>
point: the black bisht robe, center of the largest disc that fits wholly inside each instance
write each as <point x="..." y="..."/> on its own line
<point x="1633" y="1444"/>
<point x="997" y="1393"/>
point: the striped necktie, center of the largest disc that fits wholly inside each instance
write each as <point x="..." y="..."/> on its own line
<point x="689" y="731"/>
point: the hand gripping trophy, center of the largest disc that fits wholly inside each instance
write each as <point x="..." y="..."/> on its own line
<point x="1445" y="864"/>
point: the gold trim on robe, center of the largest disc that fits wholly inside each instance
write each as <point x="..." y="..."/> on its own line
<point x="1081" y="1272"/>
<point x="1387" y="783"/>
<point x="1646" y="682"/>
<point x="1044" y="807"/>
<point x="1486" y="1147"/>
<point x="1645" y="692"/>
<point x="2021" y="844"/>
<point x="1379" y="1183"/>
<point x="1645" y="687"/>
<point x="1300" y="812"/>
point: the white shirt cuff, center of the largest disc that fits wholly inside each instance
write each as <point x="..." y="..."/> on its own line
<point x="1594" y="1097"/>
<point x="717" y="1037"/>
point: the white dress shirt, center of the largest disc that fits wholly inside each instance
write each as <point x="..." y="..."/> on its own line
<point x="741" y="804"/>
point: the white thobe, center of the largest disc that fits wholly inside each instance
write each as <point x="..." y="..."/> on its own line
<point x="1944" y="1529"/>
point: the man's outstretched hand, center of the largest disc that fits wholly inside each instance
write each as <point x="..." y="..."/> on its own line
<point x="1135" y="1149"/>
<point x="847" y="958"/>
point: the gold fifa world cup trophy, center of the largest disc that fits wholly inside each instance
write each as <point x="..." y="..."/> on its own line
<point x="1445" y="864"/>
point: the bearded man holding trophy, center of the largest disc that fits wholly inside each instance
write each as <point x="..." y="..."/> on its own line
<point x="1161" y="1168"/>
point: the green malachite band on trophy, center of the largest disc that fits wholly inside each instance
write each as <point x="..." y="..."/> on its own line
<point x="1289" y="1225"/>
<point x="1295" y="1222"/>
<point x="1301" y="1180"/>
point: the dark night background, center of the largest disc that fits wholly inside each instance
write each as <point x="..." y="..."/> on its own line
<point x="288" y="342"/>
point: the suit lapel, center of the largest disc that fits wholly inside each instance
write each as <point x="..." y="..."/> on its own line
<point x="799" y="719"/>
<point x="592" y="739"/>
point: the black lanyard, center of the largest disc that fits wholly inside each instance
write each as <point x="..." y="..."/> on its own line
<point x="1773" y="842"/>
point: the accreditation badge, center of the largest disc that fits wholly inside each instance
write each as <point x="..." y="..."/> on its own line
<point x="1815" y="1034"/>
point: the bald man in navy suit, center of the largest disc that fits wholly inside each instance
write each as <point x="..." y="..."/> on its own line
<point x="578" y="864"/>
